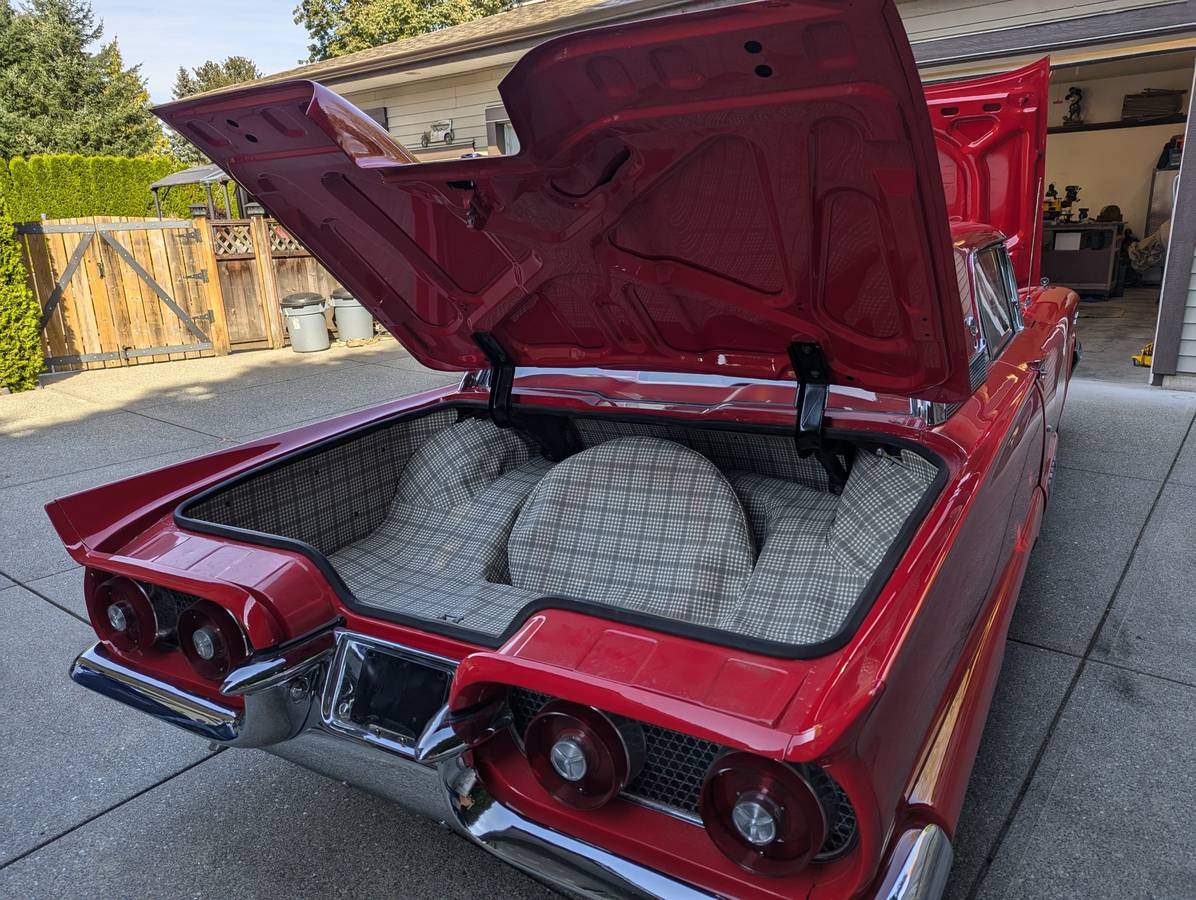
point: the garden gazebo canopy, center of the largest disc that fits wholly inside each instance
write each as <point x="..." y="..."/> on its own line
<point x="208" y="175"/>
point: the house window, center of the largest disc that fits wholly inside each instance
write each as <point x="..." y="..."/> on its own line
<point x="500" y="136"/>
<point x="505" y="138"/>
<point x="378" y="114"/>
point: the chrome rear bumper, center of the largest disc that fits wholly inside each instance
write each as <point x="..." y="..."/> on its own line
<point x="283" y="715"/>
<point x="94" y="669"/>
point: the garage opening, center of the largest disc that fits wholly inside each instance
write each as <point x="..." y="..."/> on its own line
<point x="1114" y="146"/>
<point x="1115" y="141"/>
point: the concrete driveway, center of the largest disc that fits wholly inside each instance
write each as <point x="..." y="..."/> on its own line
<point x="1083" y="787"/>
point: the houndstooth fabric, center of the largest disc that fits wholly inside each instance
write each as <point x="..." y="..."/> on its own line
<point x="466" y="602"/>
<point x="800" y="591"/>
<point x="422" y="557"/>
<point x="638" y="522"/>
<point x="331" y="498"/>
<point x="432" y="519"/>
<point x="813" y="568"/>
<point x="774" y="455"/>
<point x="877" y="499"/>
<point x="454" y="465"/>
<point x="770" y="501"/>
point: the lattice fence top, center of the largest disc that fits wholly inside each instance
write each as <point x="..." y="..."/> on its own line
<point x="282" y="242"/>
<point x="232" y="240"/>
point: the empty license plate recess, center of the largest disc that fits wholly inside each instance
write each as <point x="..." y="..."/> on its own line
<point x="385" y="690"/>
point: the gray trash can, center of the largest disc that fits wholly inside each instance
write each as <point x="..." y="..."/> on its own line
<point x="304" y="312"/>
<point x="353" y="321"/>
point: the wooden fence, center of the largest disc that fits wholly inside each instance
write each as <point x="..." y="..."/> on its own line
<point x="118" y="291"/>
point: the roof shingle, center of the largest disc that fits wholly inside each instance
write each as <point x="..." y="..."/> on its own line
<point x="523" y="22"/>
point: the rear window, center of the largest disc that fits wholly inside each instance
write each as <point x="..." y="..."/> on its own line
<point x="992" y="298"/>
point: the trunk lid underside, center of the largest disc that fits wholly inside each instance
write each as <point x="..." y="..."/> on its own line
<point x="693" y="194"/>
<point x="991" y="136"/>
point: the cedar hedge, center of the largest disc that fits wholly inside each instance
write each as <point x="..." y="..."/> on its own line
<point x="67" y="186"/>
<point x="20" y="346"/>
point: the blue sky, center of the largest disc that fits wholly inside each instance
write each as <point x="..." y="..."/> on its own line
<point x="165" y="34"/>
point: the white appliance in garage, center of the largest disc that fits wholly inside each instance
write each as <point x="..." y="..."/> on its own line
<point x="1162" y="201"/>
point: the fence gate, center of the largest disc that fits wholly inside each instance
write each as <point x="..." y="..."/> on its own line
<point x="258" y="262"/>
<point x="118" y="292"/>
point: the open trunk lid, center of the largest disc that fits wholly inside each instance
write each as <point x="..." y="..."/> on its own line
<point x="991" y="136"/>
<point x="695" y="193"/>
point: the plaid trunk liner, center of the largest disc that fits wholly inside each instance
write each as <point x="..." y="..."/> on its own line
<point x="450" y="519"/>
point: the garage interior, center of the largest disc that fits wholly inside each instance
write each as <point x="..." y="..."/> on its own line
<point x="1116" y="121"/>
<point x="1114" y="144"/>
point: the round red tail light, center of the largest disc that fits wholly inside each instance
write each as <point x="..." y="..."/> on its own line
<point x="122" y="614"/>
<point x="762" y="814"/>
<point x="211" y="639"/>
<point x="580" y="756"/>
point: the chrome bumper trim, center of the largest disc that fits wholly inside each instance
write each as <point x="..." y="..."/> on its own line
<point x="920" y="866"/>
<point x="283" y="716"/>
<point x="93" y="669"/>
<point x="429" y="778"/>
<point x="581" y="869"/>
<point x="262" y="674"/>
<point x="278" y="698"/>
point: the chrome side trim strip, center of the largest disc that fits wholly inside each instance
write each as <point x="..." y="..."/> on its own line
<point x="93" y="669"/>
<point x="920" y="866"/>
<point x="664" y="809"/>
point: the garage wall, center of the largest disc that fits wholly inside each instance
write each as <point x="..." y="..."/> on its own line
<point x="1114" y="165"/>
<point x="1110" y="167"/>
<point x="1186" y="364"/>
<point x="1102" y="96"/>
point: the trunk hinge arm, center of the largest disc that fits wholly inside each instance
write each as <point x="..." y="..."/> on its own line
<point x="813" y="387"/>
<point x="501" y="378"/>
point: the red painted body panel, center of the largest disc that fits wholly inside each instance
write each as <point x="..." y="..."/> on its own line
<point x="693" y="194"/>
<point x="896" y="713"/>
<point x="991" y="136"/>
<point x="861" y="712"/>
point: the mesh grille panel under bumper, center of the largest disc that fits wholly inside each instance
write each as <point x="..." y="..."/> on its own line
<point x="675" y="766"/>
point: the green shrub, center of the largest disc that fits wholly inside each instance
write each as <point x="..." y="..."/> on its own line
<point x="67" y="185"/>
<point x="20" y="346"/>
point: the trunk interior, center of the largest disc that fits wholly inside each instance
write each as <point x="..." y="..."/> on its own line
<point x="453" y="524"/>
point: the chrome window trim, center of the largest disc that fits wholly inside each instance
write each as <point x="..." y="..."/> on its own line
<point x="1011" y="291"/>
<point x="1011" y="300"/>
<point x="932" y="413"/>
<point x="972" y="321"/>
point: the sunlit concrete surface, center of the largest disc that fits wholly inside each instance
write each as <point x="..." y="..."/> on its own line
<point x="1083" y="786"/>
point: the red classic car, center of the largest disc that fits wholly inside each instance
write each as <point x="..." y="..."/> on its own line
<point x="697" y="583"/>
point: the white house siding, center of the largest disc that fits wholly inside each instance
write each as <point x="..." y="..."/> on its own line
<point x="927" y="20"/>
<point x="413" y="106"/>
<point x="1186" y="365"/>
